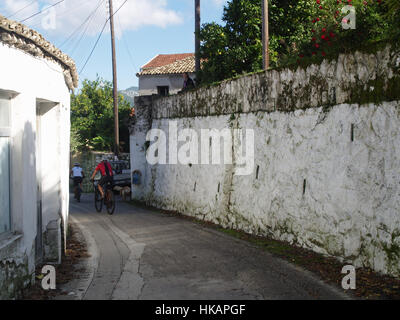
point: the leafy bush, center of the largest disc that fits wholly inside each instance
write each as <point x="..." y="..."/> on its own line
<point x="332" y="30"/>
<point x="297" y="29"/>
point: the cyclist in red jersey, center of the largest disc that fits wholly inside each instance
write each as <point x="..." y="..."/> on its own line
<point x="106" y="175"/>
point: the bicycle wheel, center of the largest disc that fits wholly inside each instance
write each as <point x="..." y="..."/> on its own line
<point x="98" y="202"/>
<point x="78" y="194"/>
<point x="110" y="202"/>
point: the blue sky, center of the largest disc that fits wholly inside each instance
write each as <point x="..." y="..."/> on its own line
<point x="144" y="28"/>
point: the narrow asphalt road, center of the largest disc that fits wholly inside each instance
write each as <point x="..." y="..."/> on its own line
<point x="144" y="254"/>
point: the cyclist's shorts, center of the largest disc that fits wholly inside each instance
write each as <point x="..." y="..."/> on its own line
<point x="77" y="181"/>
<point x="104" y="180"/>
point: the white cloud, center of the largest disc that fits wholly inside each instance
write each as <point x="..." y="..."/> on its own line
<point x="137" y="13"/>
<point x="25" y="8"/>
<point x="219" y="2"/>
<point x="71" y="13"/>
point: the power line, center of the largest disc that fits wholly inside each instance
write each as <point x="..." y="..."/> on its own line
<point x="94" y="47"/>
<point x="117" y="10"/>
<point x="87" y="20"/>
<point x="84" y="34"/>
<point x="135" y="69"/>
<point x="98" y="38"/>
<point x="60" y="14"/>
<point x="28" y="5"/>
<point x="45" y="9"/>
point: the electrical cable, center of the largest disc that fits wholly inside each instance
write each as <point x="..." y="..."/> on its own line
<point x="83" y="35"/>
<point x="135" y="69"/>
<point x="60" y="14"/>
<point x="98" y="38"/>
<point x="43" y="10"/>
<point x="28" y="5"/>
<point x="87" y="20"/>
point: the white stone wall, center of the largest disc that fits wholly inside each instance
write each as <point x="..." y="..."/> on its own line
<point x="37" y="84"/>
<point x="328" y="174"/>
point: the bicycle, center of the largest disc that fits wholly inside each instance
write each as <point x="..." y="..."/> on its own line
<point x="108" y="200"/>
<point x="77" y="191"/>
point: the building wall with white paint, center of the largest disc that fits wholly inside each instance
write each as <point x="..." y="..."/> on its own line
<point x="326" y="157"/>
<point x="148" y="83"/>
<point x="39" y="98"/>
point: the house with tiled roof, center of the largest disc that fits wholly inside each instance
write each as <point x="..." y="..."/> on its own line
<point x="36" y="79"/>
<point x="162" y="75"/>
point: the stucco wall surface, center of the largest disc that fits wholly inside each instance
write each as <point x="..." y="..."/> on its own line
<point x="148" y="83"/>
<point x="38" y="87"/>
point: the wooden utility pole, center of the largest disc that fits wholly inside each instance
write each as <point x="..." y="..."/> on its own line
<point x="115" y="87"/>
<point x="197" y="34"/>
<point x="265" y="34"/>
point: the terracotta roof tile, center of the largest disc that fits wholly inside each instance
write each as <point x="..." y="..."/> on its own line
<point x="165" y="59"/>
<point x="184" y="65"/>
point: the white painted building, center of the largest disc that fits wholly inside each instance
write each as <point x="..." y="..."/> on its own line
<point x="35" y="83"/>
<point x="163" y="75"/>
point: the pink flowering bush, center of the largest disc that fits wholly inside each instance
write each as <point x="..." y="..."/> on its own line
<point x="328" y="35"/>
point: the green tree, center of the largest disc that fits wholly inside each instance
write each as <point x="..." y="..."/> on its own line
<point x="288" y="28"/>
<point x="236" y="47"/>
<point x="297" y="29"/>
<point x="92" y="117"/>
<point x="243" y="33"/>
<point x="214" y="52"/>
<point x="393" y="15"/>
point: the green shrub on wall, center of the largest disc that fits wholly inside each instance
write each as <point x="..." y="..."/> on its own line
<point x="334" y="30"/>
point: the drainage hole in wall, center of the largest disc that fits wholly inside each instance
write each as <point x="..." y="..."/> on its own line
<point x="352" y="132"/>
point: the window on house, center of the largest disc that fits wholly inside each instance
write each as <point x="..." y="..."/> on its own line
<point x="5" y="220"/>
<point x="163" y="91"/>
